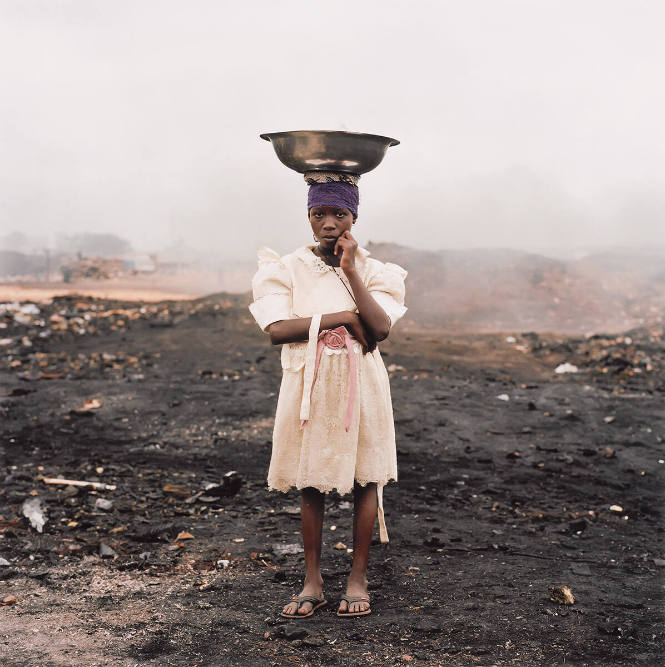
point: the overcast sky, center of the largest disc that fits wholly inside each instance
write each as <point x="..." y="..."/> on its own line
<point x="523" y="123"/>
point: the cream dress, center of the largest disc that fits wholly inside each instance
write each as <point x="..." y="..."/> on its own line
<point x="320" y="451"/>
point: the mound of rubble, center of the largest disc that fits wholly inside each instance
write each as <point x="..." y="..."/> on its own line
<point x="25" y="329"/>
<point x="636" y="357"/>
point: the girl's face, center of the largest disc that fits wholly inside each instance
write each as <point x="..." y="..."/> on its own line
<point x="329" y="222"/>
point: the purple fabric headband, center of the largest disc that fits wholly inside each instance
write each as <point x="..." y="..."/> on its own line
<point x="339" y="194"/>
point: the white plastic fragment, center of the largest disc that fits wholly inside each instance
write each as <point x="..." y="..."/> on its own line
<point x="32" y="511"/>
<point x="503" y="397"/>
<point x="616" y="508"/>
<point x="566" y="368"/>
<point x="103" y="504"/>
<point x="395" y="367"/>
<point x="511" y="339"/>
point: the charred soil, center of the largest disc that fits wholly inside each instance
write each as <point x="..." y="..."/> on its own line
<point x="513" y="479"/>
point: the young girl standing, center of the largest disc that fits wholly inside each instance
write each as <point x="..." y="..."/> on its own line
<point x="328" y="305"/>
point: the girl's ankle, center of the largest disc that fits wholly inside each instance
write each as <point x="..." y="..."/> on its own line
<point x="313" y="580"/>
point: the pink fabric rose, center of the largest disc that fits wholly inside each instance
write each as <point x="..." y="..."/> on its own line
<point x="334" y="339"/>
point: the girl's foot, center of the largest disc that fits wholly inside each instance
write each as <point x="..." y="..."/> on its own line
<point x="355" y="588"/>
<point x="314" y="589"/>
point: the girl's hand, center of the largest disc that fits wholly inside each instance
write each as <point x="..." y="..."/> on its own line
<point x="357" y="329"/>
<point x="347" y="245"/>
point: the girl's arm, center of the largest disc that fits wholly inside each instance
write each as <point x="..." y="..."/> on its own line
<point x="297" y="329"/>
<point x="372" y="315"/>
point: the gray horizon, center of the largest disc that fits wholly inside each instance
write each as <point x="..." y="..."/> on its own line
<point x="529" y="126"/>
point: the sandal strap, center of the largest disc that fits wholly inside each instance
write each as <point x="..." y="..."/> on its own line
<point x="350" y="598"/>
<point x="306" y="598"/>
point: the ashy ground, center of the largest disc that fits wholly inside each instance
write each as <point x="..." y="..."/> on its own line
<point x="513" y="479"/>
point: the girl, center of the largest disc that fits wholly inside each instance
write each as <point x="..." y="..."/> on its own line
<point x="328" y="305"/>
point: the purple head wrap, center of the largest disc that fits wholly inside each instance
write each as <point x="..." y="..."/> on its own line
<point x="336" y="193"/>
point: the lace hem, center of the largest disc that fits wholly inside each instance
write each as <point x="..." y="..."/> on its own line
<point x="284" y="485"/>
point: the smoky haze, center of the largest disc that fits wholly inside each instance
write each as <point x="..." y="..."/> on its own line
<point x="525" y="125"/>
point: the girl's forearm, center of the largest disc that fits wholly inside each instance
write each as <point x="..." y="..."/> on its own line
<point x="373" y="316"/>
<point x="292" y="331"/>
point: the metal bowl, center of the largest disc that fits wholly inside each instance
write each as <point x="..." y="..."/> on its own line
<point x="329" y="150"/>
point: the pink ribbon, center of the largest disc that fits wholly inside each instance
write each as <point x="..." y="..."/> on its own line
<point x="337" y="339"/>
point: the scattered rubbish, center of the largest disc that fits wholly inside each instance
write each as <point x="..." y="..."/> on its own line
<point x="223" y="563"/>
<point x="238" y="539"/>
<point x="70" y="491"/>
<point x="340" y="546"/>
<point x="32" y="510"/>
<point x="154" y="531"/>
<point x="503" y="397"/>
<point x="103" y="504"/>
<point x="92" y="404"/>
<point x="229" y="486"/>
<point x="105" y="551"/>
<point x="392" y="368"/>
<point x="175" y="489"/>
<point x="566" y="368"/>
<point x="510" y="339"/>
<point x="609" y="419"/>
<point x="659" y="562"/>
<point x="4" y="562"/>
<point x="9" y="599"/>
<point x="286" y="549"/>
<point x="616" y="508"/>
<point x="76" y="482"/>
<point x="609" y="453"/>
<point x="561" y="595"/>
<point x="184" y="535"/>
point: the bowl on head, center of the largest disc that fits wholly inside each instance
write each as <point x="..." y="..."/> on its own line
<point x="329" y="150"/>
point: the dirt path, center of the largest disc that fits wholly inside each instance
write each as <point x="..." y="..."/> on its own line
<point x="497" y="501"/>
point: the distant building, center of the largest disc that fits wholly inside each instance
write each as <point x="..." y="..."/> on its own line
<point x="139" y="263"/>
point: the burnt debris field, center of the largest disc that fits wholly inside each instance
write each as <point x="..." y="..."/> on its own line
<point x="528" y="463"/>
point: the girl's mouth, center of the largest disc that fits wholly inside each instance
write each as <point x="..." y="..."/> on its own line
<point x="329" y="238"/>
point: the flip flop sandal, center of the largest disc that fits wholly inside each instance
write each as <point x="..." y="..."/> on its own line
<point x="349" y="599"/>
<point x="300" y="599"/>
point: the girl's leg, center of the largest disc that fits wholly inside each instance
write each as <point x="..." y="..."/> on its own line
<point x="365" y="505"/>
<point x="311" y="513"/>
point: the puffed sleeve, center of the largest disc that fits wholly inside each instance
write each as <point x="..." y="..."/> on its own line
<point x="386" y="286"/>
<point x="271" y="289"/>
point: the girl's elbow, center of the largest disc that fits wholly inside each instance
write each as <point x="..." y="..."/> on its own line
<point x="275" y="339"/>
<point x="382" y="334"/>
<point x="274" y="334"/>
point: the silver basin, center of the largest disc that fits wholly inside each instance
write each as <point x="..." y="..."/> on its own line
<point x="329" y="150"/>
